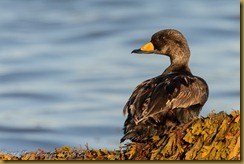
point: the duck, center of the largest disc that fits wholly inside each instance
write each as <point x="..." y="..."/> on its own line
<point x="176" y="97"/>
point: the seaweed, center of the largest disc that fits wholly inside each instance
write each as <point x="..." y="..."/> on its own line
<point x="215" y="137"/>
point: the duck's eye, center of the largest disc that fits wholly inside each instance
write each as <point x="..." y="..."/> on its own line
<point x="162" y="38"/>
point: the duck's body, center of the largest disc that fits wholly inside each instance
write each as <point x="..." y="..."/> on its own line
<point x="159" y="104"/>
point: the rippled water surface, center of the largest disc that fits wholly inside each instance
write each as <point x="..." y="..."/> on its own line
<point x="66" y="70"/>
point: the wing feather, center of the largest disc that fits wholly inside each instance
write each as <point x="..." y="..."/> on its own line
<point x="164" y="93"/>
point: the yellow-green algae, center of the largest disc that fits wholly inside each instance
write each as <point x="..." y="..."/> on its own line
<point x="215" y="137"/>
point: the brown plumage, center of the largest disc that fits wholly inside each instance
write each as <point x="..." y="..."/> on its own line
<point x="157" y="105"/>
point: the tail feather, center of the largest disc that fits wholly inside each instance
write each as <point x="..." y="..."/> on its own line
<point x="144" y="131"/>
<point x="139" y="133"/>
<point x="129" y="136"/>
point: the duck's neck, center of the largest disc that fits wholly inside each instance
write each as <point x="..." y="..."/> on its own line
<point x="180" y="66"/>
<point x="179" y="58"/>
<point x="177" y="69"/>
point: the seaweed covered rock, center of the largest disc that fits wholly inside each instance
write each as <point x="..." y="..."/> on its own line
<point x="216" y="137"/>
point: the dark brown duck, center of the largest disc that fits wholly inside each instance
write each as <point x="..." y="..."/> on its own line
<point x="173" y="98"/>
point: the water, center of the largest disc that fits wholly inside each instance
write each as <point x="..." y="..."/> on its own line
<point x="66" y="70"/>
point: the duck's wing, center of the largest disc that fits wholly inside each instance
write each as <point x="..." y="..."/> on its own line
<point x="140" y="99"/>
<point x="145" y="98"/>
<point x="165" y="93"/>
<point x="190" y="90"/>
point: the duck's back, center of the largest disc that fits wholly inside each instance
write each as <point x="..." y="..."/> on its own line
<point x="159" y="104"/>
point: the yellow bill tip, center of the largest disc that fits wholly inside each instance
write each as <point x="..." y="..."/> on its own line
<point x="147" y="47"/>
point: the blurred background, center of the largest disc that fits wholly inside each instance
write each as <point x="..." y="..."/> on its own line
<point x="66" y="70"/>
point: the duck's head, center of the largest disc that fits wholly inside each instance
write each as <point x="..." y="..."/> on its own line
<point x="168" y="42"/>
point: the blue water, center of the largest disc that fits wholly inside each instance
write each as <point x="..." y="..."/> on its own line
<point x="66" y="70"/>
